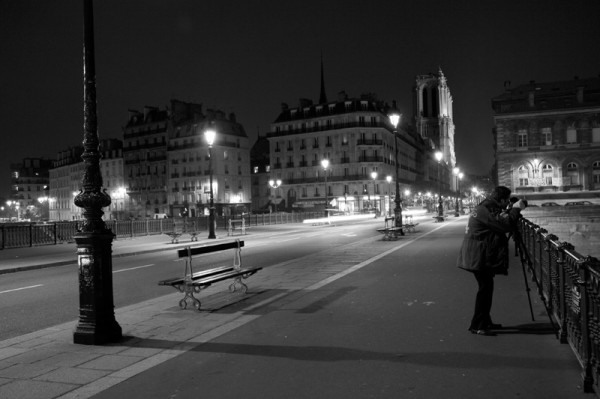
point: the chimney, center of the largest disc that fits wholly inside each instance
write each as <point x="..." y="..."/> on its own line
<point x="284" y="107"/>
<point x="232" y="117"/>
<point x="580" y="94"/>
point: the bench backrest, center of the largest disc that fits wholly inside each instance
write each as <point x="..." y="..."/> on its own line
<point x="206" y="249"/>
<point x="189" y="253"/>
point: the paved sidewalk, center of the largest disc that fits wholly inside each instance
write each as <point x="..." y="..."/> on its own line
<point x="373" y="319"/>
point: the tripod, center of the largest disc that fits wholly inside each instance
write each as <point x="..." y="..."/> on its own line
<point x="521" y="251"/>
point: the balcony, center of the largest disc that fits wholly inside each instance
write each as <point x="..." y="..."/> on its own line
<point x="369" y="142"/>
<point x="370" y="159"/>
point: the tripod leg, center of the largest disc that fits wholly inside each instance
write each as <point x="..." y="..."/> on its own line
<point x="520" y="250"/>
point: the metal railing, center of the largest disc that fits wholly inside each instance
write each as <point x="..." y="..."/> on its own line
<point x="569" y="284"/>
<point x="19" y="235"/>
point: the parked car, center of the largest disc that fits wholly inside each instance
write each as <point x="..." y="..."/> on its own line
<point x="578" y="203"/>
<point x="550" y="204"/>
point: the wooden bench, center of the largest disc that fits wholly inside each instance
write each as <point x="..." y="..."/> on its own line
<point x="174" y="236"/>
<point x="236" y="224"/>
<point x="389" y="231"/>
<point x="192" y="283"/>
<point x="439" y="219"/>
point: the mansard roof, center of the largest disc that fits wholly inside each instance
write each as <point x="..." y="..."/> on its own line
<point x="345" y="106"/>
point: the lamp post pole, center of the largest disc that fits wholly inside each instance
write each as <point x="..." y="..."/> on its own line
<point x="97" y="324"/>
<point x="438" y="156"/>
<point x="395" y="119"/>
<point x="209" y="135"/>
<point x="456" y="171"/>
<point x="374" y="177"/>
<point x="274" y="184"/>
<point x="325" y="165"/>
<point x="389" y="180"/>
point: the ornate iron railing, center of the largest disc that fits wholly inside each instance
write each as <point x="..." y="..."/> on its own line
<point x="569" y="284"/>
<point x="19" y="235"/>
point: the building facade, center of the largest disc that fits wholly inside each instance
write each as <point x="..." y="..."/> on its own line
<point x="547" y="139"/>
<point x="434" y="120"/>
<point x="166" y="162"/>
<point x="29" y="188"/>
<point x="66" y="178"/>
<point x="145" y="162"/>
<point x="191" y="165"/>
<point x="357" y="138"/>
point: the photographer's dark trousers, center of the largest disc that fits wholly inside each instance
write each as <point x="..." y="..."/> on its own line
<point x="483" y="301"/>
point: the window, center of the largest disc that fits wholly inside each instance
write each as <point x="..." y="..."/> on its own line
<point x="571" y="135"/>
<point x="523" y="182"/>
<point x="596" y="172"/>
<point x="547" y="172"/>
<point x="522" y="138"/>
<point x="596" y="135"/>
<point x="572" y="174"/>
<point x="547" y="136"/>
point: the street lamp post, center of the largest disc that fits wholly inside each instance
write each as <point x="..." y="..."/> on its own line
<point x="97" y="324"/>
<point x="325" y="165"/>
<point x="274" y="184"/>
<point x="456" y="172"/>
<point x="438" y="157"/>
<point x="395" y="119"/>
<point x="389" y="180"/>
<point x="210" y="135"/>
<point x="374" y="177"/>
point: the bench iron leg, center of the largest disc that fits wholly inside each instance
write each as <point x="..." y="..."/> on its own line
<point x="189" y="291"/>
<point x="238" y="281"/>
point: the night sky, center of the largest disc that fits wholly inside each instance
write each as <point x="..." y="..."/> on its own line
<point x="248" y="57"/>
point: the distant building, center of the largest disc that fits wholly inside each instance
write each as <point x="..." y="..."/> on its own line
<point x="145" y="162"/>
<point x="433" y="105"/>
<point x="166" y="162"/>
<point x="355" y="135"/>
<point x="264" y="197"/>
<point x="66" y="181"/>
<point x="29" y="186"/>
<point x="547" y="138"/>
<point x="189" y="166"/>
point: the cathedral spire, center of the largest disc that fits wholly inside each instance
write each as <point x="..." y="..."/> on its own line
<point x="322" y="96"/>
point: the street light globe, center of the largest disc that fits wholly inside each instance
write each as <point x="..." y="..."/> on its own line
<point x="438" y="155"/>
<point x="389" y="179"/>
<point x="407" y="192"/>
<point x="456" y="171"/>
<point x="325" y="163"/>
<point x="374" y="175"/>
<point x="460" y="175"/>
<point x="210" y="135"/>
<point x="394" y="118"/>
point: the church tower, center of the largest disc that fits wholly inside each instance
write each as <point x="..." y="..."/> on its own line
<point x="433" y="114"/>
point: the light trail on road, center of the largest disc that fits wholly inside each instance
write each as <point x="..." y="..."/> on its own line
<point x="22" y="288"/>
<point x="132" y="268"/>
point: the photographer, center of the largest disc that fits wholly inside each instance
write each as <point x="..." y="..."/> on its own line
<point x="484" y="250"/>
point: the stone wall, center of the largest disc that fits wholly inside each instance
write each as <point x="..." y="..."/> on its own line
<point x="577" y="225"/>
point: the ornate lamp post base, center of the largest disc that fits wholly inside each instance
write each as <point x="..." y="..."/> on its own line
<point x="97" y="324"/>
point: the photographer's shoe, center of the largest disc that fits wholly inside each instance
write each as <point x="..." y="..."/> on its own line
<point x="495" y="326"/>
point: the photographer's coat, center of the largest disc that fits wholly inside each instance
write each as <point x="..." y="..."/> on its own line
<point x="485" y="245"/>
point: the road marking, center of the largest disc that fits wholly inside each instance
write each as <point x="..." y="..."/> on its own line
<point x="132" y="268"/>
<point x="22" y="288"/>
<point x="349" y="235"/>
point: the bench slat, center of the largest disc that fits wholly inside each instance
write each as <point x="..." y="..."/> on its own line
<point x="197" y="275"/>
<point x="225" y="276"/>
<point x="183" y="253"/>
